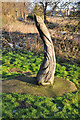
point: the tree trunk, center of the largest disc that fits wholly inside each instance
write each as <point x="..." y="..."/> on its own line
<point x="45" y="15"/>
<point x="45" y="7"/>
<point x="45" y="75"/>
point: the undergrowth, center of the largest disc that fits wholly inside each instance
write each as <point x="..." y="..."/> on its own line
<point x="27" y="106"/>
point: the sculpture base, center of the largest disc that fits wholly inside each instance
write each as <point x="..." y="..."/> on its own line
<point x="28" y="84"/>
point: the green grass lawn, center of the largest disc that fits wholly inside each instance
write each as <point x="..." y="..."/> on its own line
<point x="27" y="106"/>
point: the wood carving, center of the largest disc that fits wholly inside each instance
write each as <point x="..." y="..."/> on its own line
<point x="45" y="75"/>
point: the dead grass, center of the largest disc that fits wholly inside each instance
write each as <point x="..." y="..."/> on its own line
<point x="29" y="28"/>
<point x="20" y="27"/>
<point x="61" y="20"/>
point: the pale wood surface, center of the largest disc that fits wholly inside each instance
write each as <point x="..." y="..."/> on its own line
<point x="46" y="72"/>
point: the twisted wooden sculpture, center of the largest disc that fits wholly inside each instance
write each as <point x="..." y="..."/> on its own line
<point x="45" y="75"/>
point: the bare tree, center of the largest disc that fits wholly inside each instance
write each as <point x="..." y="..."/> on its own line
<point x="65" y="5"/>
<point x="78" y="9"/>
<point x="15" y="9"/>
<point x="46" y="3"/>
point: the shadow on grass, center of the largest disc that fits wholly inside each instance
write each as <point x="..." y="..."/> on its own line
<point x="27" y="77"/>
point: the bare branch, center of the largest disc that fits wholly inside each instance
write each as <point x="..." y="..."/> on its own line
<point x="42" y="4"/>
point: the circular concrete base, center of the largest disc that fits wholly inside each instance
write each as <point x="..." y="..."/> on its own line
<point x="27" y="84"/>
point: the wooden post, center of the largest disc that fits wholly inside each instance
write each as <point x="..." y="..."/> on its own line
<point x="45" y="75"/>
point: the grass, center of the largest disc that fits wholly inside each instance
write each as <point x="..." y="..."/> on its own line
<point x="22" y="106"/>
<point x="17" y="62"/>
<point x="28" y="106"/>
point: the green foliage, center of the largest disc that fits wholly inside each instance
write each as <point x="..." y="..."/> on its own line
<point x="27" y="106"/>
<point x="28" y="61"/>
<point x="25" y="62"/>
<point x="70" y="72"/>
